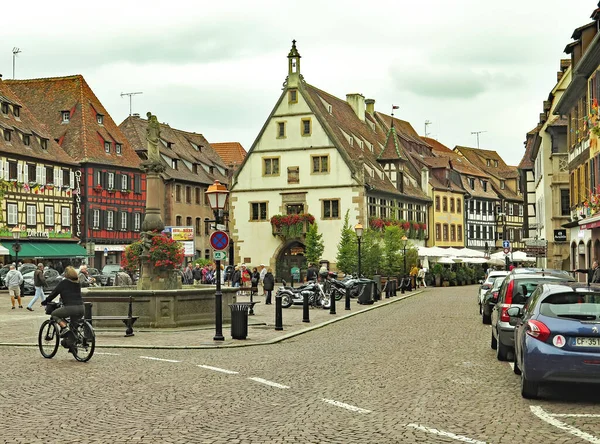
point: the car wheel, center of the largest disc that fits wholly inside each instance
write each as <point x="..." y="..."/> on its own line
<point x="529" y="389"/>
<point x="486" y="319"/>
<point x="494" y="343"/>
<point x="516" y="368"/>
<point x="501" y="351"/>
<point x="480" y="309"/>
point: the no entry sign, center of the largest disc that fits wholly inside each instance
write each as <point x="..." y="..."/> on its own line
<point x="219" y="240"/>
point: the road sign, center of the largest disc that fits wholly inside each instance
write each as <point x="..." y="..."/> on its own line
<point x="560" y="235"/>
<point x="105" y="251"/>
<point x="536" y="242"/>
<point x="505" y="244"/>
<point x="219" y="240"/>
<point x="221" y="227"/>
<point x="506" y="250"/>
<point x="219" y="255"/>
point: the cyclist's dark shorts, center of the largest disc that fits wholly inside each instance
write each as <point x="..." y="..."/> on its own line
<point x="66" y="311"/>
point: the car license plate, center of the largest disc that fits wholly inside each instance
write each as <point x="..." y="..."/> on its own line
<point x="587" y="342"/>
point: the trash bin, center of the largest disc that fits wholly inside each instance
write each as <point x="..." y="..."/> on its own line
<point x="366" y="290"/>
<point x="239" y="320"/>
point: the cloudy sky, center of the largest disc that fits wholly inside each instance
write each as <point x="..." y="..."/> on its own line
<point x="217" y="67"/>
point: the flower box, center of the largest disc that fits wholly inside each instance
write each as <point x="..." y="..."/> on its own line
<point x="291" y="226"/>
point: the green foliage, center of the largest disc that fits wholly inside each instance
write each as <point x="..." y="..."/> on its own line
<point x="446" y="273"/>
<point x="346" y="257"/>
<point x="392" y="246"/>
<point x="202" y="262"/>
<point x="412" y="258"/>
<point x="437" y="269"/>
<point x="371" y="252"/>
<point x="314" y="244"/>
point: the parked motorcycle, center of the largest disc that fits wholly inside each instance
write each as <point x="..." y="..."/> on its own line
<point x="290" y="296"/>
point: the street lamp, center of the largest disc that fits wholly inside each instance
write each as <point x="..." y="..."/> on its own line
<point x="358" y="229"/>
<point x="16" y="234"/>
<point x="217" y="199"/>
<point x="404" y="242"/>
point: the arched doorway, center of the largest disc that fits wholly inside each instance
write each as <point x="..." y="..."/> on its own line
<point x="290" y="256"/>
<point x="581" y="253"/>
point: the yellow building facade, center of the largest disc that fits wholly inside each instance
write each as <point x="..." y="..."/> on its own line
<point x="446" y="216"/>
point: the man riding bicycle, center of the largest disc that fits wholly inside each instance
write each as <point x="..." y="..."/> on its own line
<point x="69" y="291"/>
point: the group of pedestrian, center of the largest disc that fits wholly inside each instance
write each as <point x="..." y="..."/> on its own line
<point x="201" y="275"/>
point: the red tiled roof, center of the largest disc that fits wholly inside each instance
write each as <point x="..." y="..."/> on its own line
<point x="27" y="124"/>
<point x="82" y="137"/>
<point x="435" y="145"/>
<point x="527" y="161"/>
<point x="479" y="158"/>
<point x="232" y="153"/>
<point x="183" y="147"/>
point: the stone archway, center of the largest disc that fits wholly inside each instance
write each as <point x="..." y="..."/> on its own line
<point x="288" y="256"/>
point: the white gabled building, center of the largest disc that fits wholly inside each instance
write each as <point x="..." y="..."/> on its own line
<point x="318" y="155"/>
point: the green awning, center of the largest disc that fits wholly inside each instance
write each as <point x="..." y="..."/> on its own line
<point x="56" y="250"/>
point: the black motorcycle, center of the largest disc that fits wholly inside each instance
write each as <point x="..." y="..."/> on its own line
<point x="290" y="296"/>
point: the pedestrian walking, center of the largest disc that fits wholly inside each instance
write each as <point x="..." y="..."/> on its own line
<point x="197" y="274"/>
<point x="421" y="278"/>
<point x="414" y="272"/>
<point x="268" y="285"/>
<point x="311" y="273"/>
<point x="263" y="272"/>
<point x="593" y="274"/>
<point x="13" y="281"/>
<point x="236" y="277"/>
<point x="254" y="279"/>
<point x="122" y="279"/>
<point x="39" y="282"/>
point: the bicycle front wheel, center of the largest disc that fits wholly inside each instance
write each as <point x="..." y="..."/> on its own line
<point x="48" y="339"/>
<point x="83" y="350"/>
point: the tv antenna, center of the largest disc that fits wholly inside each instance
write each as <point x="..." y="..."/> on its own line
<point x="427" y="123"/>
<point x="131" y="94"/>
<point x="15" y="51"/>
<point x="477" y="133"/>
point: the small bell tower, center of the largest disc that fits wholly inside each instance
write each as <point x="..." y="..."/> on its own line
<point x="294" y="76"/>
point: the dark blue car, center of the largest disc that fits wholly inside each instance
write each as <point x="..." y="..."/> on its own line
<point x="557" y="336"/>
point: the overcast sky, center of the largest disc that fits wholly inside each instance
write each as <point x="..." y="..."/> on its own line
<point x="217" y="68"/>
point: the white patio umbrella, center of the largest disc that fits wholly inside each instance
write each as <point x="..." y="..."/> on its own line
<point x="445" y="260"/>
<point x="4" y="251"/>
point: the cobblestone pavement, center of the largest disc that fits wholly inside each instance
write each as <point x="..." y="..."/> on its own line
<point x="419" y="370"/>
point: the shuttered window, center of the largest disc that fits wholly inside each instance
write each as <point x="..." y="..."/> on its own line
<point x="31" y="215"/>
<point x="49" y="216"/>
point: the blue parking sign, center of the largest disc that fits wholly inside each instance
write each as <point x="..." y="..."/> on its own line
<point x="505" y="244"/>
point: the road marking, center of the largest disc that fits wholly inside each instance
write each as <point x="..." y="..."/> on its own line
<point x="446" y="434"/>
<point x="158" y="359"/>
<point x="217" y="369"/>
<point x="549" y="418"/>
<point x="272" y="384"/>
<point x="352" y="408"/>
<point x="575" y="415"/>
<point x="110" y="354"/>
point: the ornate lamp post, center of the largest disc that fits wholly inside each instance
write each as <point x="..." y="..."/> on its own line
<point x="358" y="229"/>
<point x="16" y="234"/>
<point x="217" y="199"/>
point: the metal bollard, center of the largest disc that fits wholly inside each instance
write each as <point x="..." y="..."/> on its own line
<point x="305" y="314"/>
<point x="278" y="314"/>
<point x="402" y="285"/>
<point x="332" y="303"/>
<point x="251" y="311"/>
<point x="347" y="299"/>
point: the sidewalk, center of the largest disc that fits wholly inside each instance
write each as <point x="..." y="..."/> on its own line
<point x="20" y="327"/>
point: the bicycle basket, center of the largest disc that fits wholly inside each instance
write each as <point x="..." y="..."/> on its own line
<point x="50" y="307"/>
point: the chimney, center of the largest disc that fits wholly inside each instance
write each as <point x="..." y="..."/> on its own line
<point x="564" y="64"/>
<point x="357" y="103"/>
<point x="559" y="75"/>
<point x="424" y="179"/>
<point x="370" y="106"/>
<point x="136" y="115"/>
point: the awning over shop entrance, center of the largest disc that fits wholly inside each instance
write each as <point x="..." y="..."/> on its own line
<point x="50" y="250"/>
<point x="4" y="251"/>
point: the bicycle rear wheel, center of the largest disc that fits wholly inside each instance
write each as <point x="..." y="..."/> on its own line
<point x="83" y="350"/>
<point x="48" y="339"/>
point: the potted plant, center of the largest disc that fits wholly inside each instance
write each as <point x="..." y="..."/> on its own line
<point x="460" y="276"/>
<point x="437" y="273"/>
<point x="446" y="277"/>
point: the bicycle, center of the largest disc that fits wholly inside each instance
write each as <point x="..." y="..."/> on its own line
<point x="81" y="344"/>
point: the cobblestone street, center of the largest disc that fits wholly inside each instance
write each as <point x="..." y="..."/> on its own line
<point x="417" y="370"/>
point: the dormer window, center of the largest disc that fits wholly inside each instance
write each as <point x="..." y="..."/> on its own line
<point x="44" y="144"/>
<point x="489" y="162"/>
<point x="196" y="147"/>
<point x="293" y="96"/>
<point x="100" y="119"/>
<point x="170" y="145"/>
<point x="118" y="148"/>
<point x="351" y="141"/>
<point x="7" y="135"/>
<point x="471" y="183"/>
<point x="484" y="185"/>
<point x="5" y="108"/>
<point x="195" y="168"/>
<point x="329" y="109"/>
<point x="66" y="116"/>
<point x="496" y="163"/>
<point x="26" y="139"/>
<point x="174" y="164"/>
<point x="16" y="110"/>
<point x="502" y="184"/>
<point x="107" y="147"/>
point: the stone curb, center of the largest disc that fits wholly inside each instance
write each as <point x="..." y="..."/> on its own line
<point x="247" y="344"/>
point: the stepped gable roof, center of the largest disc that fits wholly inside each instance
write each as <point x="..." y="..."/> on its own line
<point x="182" y="148"/>
<point x="435" y="145"/>
<point x="82" y="137"/>
<point x="344" y="124"/>
<point x="527" y="160"/>
<point x="479" y="157"/>
<point x="232" y="153"/>
<point x="27" y="124"/>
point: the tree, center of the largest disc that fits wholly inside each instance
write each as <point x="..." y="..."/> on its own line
<point x="392" y="245"/>
<point x="347" y="252"/>
<point x="371" y="252"/>
<point x="314" y="244"/>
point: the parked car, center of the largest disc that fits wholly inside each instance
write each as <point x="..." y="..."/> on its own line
<point x="25" y="268"/>
<point x="557" y="336"/>
<point x="110" y="270"/>
<point x="3" y="272"/>
<point x="489" y="300"/>
<point x="514" y="292"/>
<point x="487" y="284"/>
<point x="52" y="276"/>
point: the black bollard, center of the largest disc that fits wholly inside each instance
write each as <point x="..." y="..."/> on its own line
<point x="278" y="314"/>
<point x="305" y="315"/>
<point x="402" y="285"/>
<point x="251" y="312"/>
<point x="332" y="303"/>
<point x="348" y="299"/>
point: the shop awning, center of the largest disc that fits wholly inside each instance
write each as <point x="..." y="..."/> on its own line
<point x="4" y="251"/>
<point x="589" y="223"/>
<point x="51" y="250"/>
